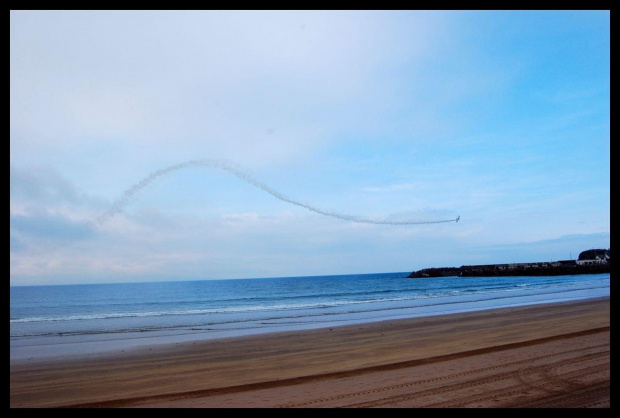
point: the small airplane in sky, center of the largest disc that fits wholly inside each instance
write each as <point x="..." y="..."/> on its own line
<point x="457" y="218"/>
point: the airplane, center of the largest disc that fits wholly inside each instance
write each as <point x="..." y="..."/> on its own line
<point x="457" y="218"/>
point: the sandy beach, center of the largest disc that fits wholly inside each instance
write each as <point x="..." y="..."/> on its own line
<point x="554" y="355"/>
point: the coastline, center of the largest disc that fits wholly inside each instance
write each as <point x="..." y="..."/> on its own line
<point x="277" y="369"/>
<point x="559" y="268"/>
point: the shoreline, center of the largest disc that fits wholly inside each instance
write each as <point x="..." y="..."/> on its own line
<point x="37" y="348"/>
<point x="197" y="373"/>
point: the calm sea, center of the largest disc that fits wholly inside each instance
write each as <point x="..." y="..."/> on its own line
<point x="50" y="315"/>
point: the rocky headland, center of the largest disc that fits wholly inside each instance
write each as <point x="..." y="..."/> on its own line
<point x="558" y="268"/>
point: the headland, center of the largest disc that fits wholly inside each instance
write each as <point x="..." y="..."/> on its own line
<point x="593" y="261"/>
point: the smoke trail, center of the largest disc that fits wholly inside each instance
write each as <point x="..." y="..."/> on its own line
<point x="118" y="205"/>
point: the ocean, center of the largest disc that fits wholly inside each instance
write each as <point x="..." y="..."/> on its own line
<point x="65" y="319"/>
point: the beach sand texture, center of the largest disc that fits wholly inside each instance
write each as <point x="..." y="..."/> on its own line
<point x="554" y="355"/>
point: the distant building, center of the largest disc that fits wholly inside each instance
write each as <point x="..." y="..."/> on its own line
<point x="591" y="257"/>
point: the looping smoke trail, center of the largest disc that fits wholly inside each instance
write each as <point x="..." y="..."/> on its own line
<point x="118" y="205"/>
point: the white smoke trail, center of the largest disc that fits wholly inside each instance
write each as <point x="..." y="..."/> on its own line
<point x="118" y="205"/>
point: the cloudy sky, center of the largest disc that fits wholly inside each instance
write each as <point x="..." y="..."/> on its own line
<point x="500" y="117"/>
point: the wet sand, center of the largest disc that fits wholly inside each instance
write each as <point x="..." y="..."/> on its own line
<point x="554" y="355"/>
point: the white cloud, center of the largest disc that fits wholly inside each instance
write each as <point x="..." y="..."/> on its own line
<point x="256" y="87"/>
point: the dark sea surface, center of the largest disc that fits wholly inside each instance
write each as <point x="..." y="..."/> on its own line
<point x="45" y="316"/>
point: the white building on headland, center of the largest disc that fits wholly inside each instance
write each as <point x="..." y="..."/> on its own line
<point x="590" y="257"/>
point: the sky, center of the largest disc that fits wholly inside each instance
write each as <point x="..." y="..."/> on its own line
<point x="499" y="117"/>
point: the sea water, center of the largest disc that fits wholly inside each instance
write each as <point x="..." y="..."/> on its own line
<point x="93" y="318"/>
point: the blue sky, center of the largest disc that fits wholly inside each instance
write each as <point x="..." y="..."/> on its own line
<point x="501" y="117"/>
